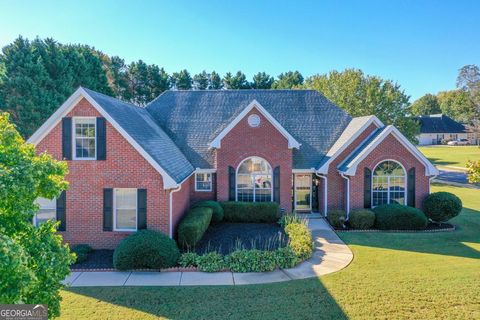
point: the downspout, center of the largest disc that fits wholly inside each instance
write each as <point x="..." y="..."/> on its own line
<point x="348" y="193"/>
<point x="171" y="210"/>
<point x="325" y="193"/>
<point x="430" y="181"/>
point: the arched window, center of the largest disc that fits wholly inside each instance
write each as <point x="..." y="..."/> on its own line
<point x="388" y="183"/>
<point x="254" y="180"/>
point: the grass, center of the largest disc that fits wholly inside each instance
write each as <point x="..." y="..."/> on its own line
<point x="455" y="156"/>
<point x="392" y="276"/>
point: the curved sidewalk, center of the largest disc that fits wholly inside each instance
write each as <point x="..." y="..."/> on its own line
<point x="331" y="254"/>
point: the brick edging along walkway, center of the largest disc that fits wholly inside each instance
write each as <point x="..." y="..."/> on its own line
<point x="331" y="254"/>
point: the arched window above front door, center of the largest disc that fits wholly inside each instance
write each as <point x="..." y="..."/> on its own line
<point x="254" y="180"/>
<point x="388" y="183"/>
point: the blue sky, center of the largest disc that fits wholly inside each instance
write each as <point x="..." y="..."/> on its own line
<point x="419" y="44"/>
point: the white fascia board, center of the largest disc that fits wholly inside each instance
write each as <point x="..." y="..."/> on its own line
<point x="430" y="169"/>
<point x="199" y="170"/>
<point x="65" y="108"/>
<point x="372" y="119"/>
<point x="292" y="143"/>
<point x="311" y="170"/>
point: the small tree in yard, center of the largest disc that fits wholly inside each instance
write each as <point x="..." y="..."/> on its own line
<point x="33" y="261"/>
<point x="473" y="171"/>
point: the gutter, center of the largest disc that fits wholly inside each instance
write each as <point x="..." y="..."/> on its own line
<point x="170" y="231"/>
<point x="325" y="193"/>
<point x="348" y="193"/>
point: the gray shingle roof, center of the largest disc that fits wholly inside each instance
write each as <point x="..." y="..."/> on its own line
<point x="140" y="125"/>
<point x="193" y="119"/>
<point x="439" y="123"/>
<point x="347" y="163"/>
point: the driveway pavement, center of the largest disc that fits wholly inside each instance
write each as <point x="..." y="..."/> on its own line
<point x="453" y="176"/>
<point x="331" y="254"/>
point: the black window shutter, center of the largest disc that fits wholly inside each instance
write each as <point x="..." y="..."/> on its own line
<point x="231" y="184"/>
<point x="276" y="184"/>
<point x="367" y="188"/>
<point x="101" y="139"/>
<point x="107" y="209"/>
<point x="214" y="185"/>
<point x="61" y="210"/>
<point x="142" y="208"/>
<point x="411" y="187"/>
<point x="67" y="138"/>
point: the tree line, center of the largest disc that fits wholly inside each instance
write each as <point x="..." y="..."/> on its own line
<point x="37" y="76"/>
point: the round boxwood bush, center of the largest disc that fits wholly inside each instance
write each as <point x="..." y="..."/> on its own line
<point x="399" y="217"/>
<point x="337" y="218"/>
<point x="217" y="209"/>
<point x="442" y="206"/>
<point x="361" y="219"/>
<point x="146" y="249"/>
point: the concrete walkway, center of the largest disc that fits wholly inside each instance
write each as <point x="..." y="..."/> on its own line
<point x="330" y="255"/>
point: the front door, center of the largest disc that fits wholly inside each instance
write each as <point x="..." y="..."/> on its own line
<point x="303" y="192"/>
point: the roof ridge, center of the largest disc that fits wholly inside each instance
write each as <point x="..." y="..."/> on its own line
<point x="113" y="98"/>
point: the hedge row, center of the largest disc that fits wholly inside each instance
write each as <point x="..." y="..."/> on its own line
<point x="438" y="207"/>
<point x="241" y="260"/>
<point x="193" y="225"/>
<point x="259" y="212"/>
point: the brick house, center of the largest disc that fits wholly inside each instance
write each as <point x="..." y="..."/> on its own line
<point x="142" y="167"/>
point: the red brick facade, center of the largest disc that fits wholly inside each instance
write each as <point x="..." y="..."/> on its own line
<point x="336" y="183"/>
<point x="389" y="149"/>
<point x="264" y="141"/>
<point x="124" y="167"/>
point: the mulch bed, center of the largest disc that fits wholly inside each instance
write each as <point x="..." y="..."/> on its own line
<point x="431" y="227"/>
<point x="226" y="237"/>
<point x="97" y="259"/>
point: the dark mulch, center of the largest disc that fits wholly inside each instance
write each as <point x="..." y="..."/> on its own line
<point x="431" y="227"/>
<point x="97" y="259"/>
<point x="226" y="237"/>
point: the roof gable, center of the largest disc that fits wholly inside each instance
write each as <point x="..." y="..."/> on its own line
<point x="353" y="130"/>
<point x="349" y="165"/>
<point x="292" y="142"/>
<point x="137" y="126"/>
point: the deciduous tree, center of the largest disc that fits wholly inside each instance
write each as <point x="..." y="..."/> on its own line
<point x="425" y="105"/>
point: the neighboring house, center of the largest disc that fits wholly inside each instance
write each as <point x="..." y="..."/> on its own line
<point x="439" y="128"/>
<point x="133" y="167"/>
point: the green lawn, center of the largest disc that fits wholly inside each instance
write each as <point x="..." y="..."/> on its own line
<point x="392" y="276"/>
<point x="455" y="156"/>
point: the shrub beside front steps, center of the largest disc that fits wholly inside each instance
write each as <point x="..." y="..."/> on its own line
<point x="148" y="249"/>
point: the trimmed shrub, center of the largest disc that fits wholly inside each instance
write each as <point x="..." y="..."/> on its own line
<point x="361" y="219"/>
<point x="188" y="259"/>
<point x="251" y="211"/>
<point x="442" y="206"/>
<point x="193" y="226"/>
<point x="211" y="262"/>
<point x="337" y="218"/>
<point x="300" y="240"/>
<point x="251" y="261"/>
<point x="285" y="258"/>
<point x="146" y="249"/>
<point x="399" y="217"/>
<point x="217" y="209"/>
<point x="81" y="252"/>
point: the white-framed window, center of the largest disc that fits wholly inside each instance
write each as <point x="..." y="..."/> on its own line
<point x="254" y="180"/>
<point x="389" y="183"/>
<point x="84" y="138"/>
<point x="125" y="215"/>
<point x="47" y="211"/>
<point x="203" y="181"/>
